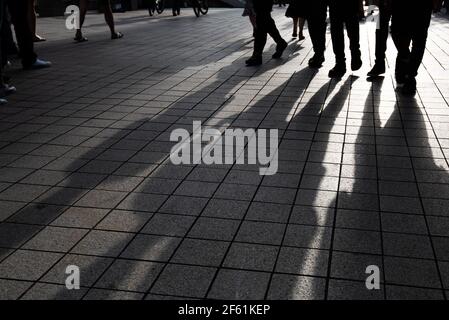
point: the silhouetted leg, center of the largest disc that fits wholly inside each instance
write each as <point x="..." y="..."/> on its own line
<point x="419" y="39"/>
<point x="24" y="35"/>
<point x="316" y="22"/>
<point x="382" y="33"/>
<point x="337" y="33"/>
<point x="261" y="34"/>
<point x="108" y="16"/>
<point x="353" y="30"/>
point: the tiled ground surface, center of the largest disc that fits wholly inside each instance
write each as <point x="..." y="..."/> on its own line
<point x="85" y="177"/>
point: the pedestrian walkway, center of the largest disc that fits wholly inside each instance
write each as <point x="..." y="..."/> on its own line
<point x="86" y="177"/>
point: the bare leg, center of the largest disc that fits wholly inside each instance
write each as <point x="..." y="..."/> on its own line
<point x="301" y="22"/>
<point x="32" y="20"/>
<point x="295" y="27"/>
<point x="83" y="11"/>
<point x="109" y="17"/>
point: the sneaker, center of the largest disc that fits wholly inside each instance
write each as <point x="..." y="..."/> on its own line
<point x="377" y="70"/>
<point x="3" y="101"/>
<point x="316" y="61"/>
<point x="280" y="48"/>
<point x="38" y="64"/>
<point x="116" y="35"/>
<point x="6" y="90"/>
<point x="254" y="61"/>
<point x="338" y="71"/>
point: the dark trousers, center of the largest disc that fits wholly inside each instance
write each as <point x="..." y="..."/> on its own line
<point x="2" y="40"/>
<point x="382" y="33"/>
<point x="24" y="35"/>
<point x="340" y="17"/>
<point x="176" y="4"/>
<point x="316" y="22"/>
<point x="265" y="26"/>
<point x="409" y="26"/>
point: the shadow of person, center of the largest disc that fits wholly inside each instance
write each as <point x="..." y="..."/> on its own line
<point x="101" y="216"/>
<point x="413" y="177"/>
<point x="304" y="251"/>
<point x="356" y="239"/>
<point x="380" y="204"/>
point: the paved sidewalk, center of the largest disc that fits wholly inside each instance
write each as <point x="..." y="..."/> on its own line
<point x="86" y="178"/>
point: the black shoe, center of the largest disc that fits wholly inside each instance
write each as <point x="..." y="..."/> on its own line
<point x="356" y="63"/>
<point x="338" y="71"/>
<point x="409" y="87"/>
<point x="377" y="70"/>
<point x="316" y="61"/>
<point x="254" y="61"/>
<point x="280" y="48"/>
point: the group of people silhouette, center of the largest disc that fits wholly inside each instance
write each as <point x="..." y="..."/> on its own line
<point x="409" y="27"/>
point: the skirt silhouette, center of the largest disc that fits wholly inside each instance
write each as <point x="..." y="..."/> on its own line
<point x="297" y="9"/>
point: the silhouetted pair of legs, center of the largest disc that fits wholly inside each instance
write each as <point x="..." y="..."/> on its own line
<point x="32" y="21"/>
<point x="265" y="26"/>
<point x="341" y="16"/>
<point x="108" y="16"/>
<point x="409" y="26"/>
<point x="382" y="32"/>
<point x="19" y="10"/>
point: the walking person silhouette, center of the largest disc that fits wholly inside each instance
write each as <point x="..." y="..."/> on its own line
<point x="409" y="26"/>
<point x="265" y="25"/>
<point x="108" y="16"/>
<point x="341" y="16"/>
<point x="316" y="21"/>
<point x="383" y="28"/>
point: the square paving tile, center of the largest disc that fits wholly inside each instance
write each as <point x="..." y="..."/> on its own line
<point x="251" y="257"/>
<point x="169" y="225"/>
<point x="200" y="252"/>
<point x="27" y="265"/>
<point x="413" y="272"/>
<point x="352" y="290"/>
<point x="78" y="217"/>
<point x="38" y="214"/>
<point x="126" y="221"/>
<point x="130" y="275"/>
<point x="269" y="212"/>
<point x="103" y="294"/>
<point x="13" y="235"/>
<point x="90" y="269"/>
<point x="239" y="285"/>
<point x="353" y="265"/>
<point x="289" y="287"/>
<point x="101" y="199"/>
<point x="214" y="229"/>
<point x="410" y="293"/>
<point x="55" y="239"/>
<point x="261" y="232"/>
<point x="47" y="291"/>
<point x="232" y="209"/>
<point x="149" y="247"/>
<point x="13" y="289"/>
<point x="103" y="243"/>
<point x="308" y="236"/>
<point x="184" y="205"/>
<point x="186" y="281"/>
<point x="303" y="261"/>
